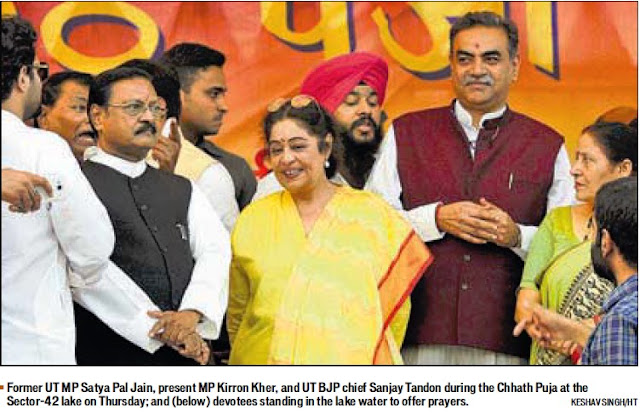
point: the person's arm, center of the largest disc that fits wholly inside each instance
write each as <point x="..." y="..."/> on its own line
<point x="614" y="342"/>
<point x="167" y="149"/>
<point x="539" y="257"/>
<point x="19" y="190"/>
<point x="205" y="299"/>
<point x="80" y="221"/>
<point x="120" y="303"/>
<point x="217" y="185"/>
<point x="385" y="181"/>
<point x="553" y="327"/>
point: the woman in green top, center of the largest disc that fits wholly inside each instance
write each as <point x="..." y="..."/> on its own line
<point x="558" y="272"/>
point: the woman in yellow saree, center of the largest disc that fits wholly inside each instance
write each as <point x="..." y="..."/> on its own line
<point x="558" y="273"/>
<point x="321" y="274"/>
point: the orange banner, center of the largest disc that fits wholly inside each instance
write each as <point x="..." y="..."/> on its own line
<point x="579" y="58"/>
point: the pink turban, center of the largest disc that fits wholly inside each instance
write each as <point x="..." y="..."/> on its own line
<point x="330" y="82"/>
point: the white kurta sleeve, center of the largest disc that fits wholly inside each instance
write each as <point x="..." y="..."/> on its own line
<point x="79" y="220"/>
<point x="120" y="304"/>
<point x="210" y="244"/>
<point x="385" y="181"/>
<point x="217" y="185"/>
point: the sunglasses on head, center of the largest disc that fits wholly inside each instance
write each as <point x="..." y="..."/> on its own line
<point x="299" y="101"/>
<point x="42" y="69"/>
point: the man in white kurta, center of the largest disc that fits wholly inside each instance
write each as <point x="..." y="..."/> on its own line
<point x="65" y="243"/>
<point x="70" y="229"/>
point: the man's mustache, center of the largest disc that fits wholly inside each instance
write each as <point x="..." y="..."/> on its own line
<point x="484" y="79"/>
<point x="364" y="120"/>
<point x="146" y="127"/>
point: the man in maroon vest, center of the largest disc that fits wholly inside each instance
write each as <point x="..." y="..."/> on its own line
<point x="475" y="179"/>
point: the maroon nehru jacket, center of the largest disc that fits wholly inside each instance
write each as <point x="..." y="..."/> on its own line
<point x="467" y="296"/>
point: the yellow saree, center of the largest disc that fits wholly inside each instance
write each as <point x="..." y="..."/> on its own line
<point x="339" y="295"/>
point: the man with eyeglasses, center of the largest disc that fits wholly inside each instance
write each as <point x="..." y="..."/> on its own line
<point x="63" y="246"/>
<point x="169" y="241"/>
<point x="64" y="110"/>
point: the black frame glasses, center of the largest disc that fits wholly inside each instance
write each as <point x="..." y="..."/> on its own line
<point x="137" y="108"/>
<point x="42" y="69"/>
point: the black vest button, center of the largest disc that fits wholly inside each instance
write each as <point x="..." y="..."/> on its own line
<point x="144" y="207"/>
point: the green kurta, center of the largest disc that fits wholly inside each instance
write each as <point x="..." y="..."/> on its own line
<point x="559" y="267"/>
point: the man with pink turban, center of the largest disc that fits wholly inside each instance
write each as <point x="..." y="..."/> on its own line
<point x="352" y="88"/>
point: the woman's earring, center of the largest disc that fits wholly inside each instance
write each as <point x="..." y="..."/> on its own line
<point x="326" y="164"/>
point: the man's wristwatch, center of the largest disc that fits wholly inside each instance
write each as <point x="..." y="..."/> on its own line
<point x="519" y="240"/>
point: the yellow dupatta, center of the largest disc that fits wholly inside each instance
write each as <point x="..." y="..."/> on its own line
<point x="336" y="296"/>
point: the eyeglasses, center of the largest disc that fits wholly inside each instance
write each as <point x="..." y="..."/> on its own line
<point x="137" y="108"/>
<point x="42" y="69"/>
<point x="299" y="101"/>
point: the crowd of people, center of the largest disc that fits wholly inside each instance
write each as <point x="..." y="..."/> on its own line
<point x="462" y="235"/>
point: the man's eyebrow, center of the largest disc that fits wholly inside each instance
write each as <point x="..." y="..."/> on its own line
<point x="358" y="94"/>
<point x="492" y="53"/>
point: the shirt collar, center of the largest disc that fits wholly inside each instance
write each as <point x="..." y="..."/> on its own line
<point x="208" y="145"/>
<point x="132" y="169"/>
<point x="464" y="117"/>
<point x="625" y="289"/>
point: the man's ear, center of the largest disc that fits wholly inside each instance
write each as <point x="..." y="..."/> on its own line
<point x="24" y="80"/>
<point x="606" y="243"/>
<point x="625" y="168"/>
<point x="96" y="117"/>
<point x="515" y="67"/>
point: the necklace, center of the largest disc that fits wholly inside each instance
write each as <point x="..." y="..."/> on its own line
<point x="589" y="225"/>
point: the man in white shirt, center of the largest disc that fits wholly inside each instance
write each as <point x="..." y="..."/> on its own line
<point x="71" y="232"/>
<point x="168" y="239"/>
<point x="475" y="178"/>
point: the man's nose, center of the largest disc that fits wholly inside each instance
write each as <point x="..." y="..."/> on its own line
<point x="221" y="103"/>
<point x="147" y="115"/>
<point x="364" y="108"/>
<point x="478" y="67"/>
